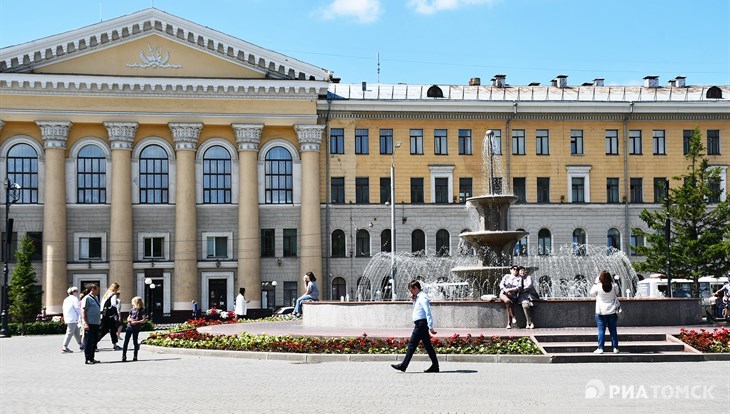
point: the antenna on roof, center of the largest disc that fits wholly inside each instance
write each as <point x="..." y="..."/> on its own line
<point x="100" y="16"/>
<point x="378" y="67"/>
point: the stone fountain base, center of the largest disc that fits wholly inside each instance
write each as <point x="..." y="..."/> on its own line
<point x="479" y="314"/>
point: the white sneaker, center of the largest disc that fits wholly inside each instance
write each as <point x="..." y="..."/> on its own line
<point x="530" y="326"/>
<point x="509" y="326"/>
<point x="615" y="350"/>
<point x="514" y="320"/>
<point x="598" y="351"/>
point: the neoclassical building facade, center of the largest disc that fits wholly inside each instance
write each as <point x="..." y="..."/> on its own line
<point x="150" y="147"/>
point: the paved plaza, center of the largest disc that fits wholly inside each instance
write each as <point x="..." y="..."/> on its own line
<point x="36" y="378"/>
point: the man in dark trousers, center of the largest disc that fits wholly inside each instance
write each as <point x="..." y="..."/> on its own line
<point x="423" y="322"/>
<point x="91" y="312"/>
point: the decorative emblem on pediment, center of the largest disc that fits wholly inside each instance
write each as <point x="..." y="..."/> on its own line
<point x="153" y="59"/>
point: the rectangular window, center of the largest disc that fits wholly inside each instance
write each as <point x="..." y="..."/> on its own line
<point x="576" y="141"/>
<point x="635" y="142"/>
<point x="416" y="190"/>
<point x="686" y="138"/>
<point x="386" y="141"/>
<point x="465" y="190"/>
<point x="519" y="187"/>
<point x="337" y="141"/>
<point x="611" y="142"/>
<point x="578" y="188"/>
<point x="290" y="242"/>
<point x="90" y="248"/>
<point x="612" y="194"/>
<point x="637" y="190"/>
<point x="442" y="190"/>
<point x="715" y="190"/>
<point x="518" y="142"/>
<point x="338" y="190"/>
<point x="290" y="293"/>
<point x="384" y="189"/>
<point x="497" y="142"/>
<point x="217" y="247"/>
<point x="635" y="241"/>
<point x="154" y="248"/>
<point x="13" y="246"/>
<point x="465" y="142"/>
<point x="713" y="142"/>
<point x="440" y="142"/>
<point x="362" y="145"/>
<point x="36" y="238"/>
<point x="660" y="189"/>
<point x="542" y="139"/>
<point x="362" y="190"/>
<point x="543" y="189"/>
<point x="660" y="145"/>
<point x="267" y="242"/>
<point x="416" y="142"/>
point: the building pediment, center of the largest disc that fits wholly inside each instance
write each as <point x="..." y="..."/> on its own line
<point x="156" y="44"/>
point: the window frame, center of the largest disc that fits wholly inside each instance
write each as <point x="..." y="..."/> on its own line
<point x="576" y="142"/>
<point x="636" y="146"/>
<point x="636" y="190"/>
<point x="275" y="164"/>
<point x="337" y="141"/>
<point x="337" y="190"/>
<point x="206" y="236"/>
<point x="713" y="142"/>
<point x="25" y="177"/>
<point x="290" y="240"/>
<point x="362" y="141"/>
<point x="542" y="142"/>
<point x="612" y="142"/>
<point x="518" y="142"/>
<point x="268" y="242"/>
<point x="441" y="142"/>
<point x="543" y="190"/>
<point x="417" y="190"/>
<point x="226" y="176"/>
<point x="362" y="190"/>
<point x="416" y="141"/>
<point x="659" y="142"/>
<point x="465" y="142"/>
<point x="386" y="141"/>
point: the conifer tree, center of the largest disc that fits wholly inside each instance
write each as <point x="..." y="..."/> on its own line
<point x="24" y="293"/>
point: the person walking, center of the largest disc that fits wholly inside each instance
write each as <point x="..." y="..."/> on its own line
<point x="110" y="314"/>
<point x="241" y="304"/>
<point x="607" y="307"/>
<point x="311" y="293"/>
<point x="135" y="320"/>
<point x="423" y="324"/>
<point x="91" y="314"/>
<point x="71" y="316"/>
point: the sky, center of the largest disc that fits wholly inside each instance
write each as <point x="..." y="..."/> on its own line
<point x="442" y="41"/>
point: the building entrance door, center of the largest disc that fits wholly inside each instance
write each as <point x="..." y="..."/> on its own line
<point x="218" y="294"/>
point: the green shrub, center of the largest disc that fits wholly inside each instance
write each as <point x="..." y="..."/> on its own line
<point x="38" y="328"/>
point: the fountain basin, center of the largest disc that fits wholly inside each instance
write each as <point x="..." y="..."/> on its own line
<point x="480" y="314"/>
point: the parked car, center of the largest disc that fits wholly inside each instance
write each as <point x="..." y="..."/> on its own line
<point x="284" y="311"/>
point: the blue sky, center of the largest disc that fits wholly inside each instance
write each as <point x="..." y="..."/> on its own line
<point x="442" y="41"/>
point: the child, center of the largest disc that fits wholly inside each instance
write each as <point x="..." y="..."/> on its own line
<point x="134" y="323"/>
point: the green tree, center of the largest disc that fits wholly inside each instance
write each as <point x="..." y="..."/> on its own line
<point x="24" y="294"/>
<point x="700" y="229"/>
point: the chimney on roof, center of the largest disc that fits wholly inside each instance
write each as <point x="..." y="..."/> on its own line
<point x="534" y="84"/>
<point x="680" y="81"/>
<point x="598" y="82"/>
<point x="672" y="83"/>
<point x="499" y="81"/>
<point x="651" y="81"/>
<point x="554" y="83"/>
<point x="475" y="81"/>
<point x="562" y="81"/>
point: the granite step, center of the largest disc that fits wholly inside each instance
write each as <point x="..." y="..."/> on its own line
<point x="626" y="357"/>
<point x="634" y="347"/>
<point x="594" y="337"/>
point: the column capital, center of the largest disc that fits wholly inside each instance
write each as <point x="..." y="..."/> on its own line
<point x="248" y="136"/>
<point x="310" y="137"/>
<point x="185" y="134"/>
<point x="54" y="133"/>
<point x="121" y="134"/>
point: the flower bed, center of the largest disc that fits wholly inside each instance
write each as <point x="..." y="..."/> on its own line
<point x="361" y="345"/>
<point x="705" y="341"/>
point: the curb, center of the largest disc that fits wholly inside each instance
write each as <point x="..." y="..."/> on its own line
<point x="318" y="358"/>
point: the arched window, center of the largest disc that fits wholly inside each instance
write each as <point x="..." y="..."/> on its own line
<point x="339" y="288"/>
<point x="22" y="169"/>
<point x="613" y="241"/>
<point x="362" y="244"/>
<point x="443" y="244"/>
<point x="216" y="176"/>
<point x="363" y="288"/>
<point x="521" y="246"/>
<point x="385" y="241"/>
<point x="418" y="242"/>
<point x="434" y="92"/>
<point x="278" y="176"/>
<point x="714" y="93"/>
<point x="153" y="175"/>
<point x="91" y="175"/>
<point x="338" y="243"/>
<point x="579" y="242"/>
<point x="544" y="244"/>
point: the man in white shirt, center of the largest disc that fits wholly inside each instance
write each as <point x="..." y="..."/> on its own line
<point x="423" y="322"/>
<point x="241" y="304"/>
<point x="71" y="315"/>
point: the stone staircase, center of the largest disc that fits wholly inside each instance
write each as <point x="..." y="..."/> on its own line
<point x="635" y="347"/>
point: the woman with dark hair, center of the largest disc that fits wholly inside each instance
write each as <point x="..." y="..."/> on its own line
<point x="311" y="293"/>
<point x="607" y="307"/>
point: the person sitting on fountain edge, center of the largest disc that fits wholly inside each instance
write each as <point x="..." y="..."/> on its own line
<point x="510" y="286"/>
<point x="525" y="295"/>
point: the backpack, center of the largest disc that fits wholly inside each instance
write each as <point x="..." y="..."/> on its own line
<point x="109" y="311"/>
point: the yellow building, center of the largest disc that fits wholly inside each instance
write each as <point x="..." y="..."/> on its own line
<point x="150" y="147"/>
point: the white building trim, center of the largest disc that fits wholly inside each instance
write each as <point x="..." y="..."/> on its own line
<point x="77" y="246"/>
<point x="205" y="294"/>
<point x="442" y="171"/>
<point x="38" y="147"/>
<point x="204" y="245"/>
<point x="579" y="171"/>
<point x="165" y="245"/>
<point x="166" y="293"/>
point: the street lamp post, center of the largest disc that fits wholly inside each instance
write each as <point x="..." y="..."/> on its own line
<point x="668" y="239"/>
<point x="12" y="195"/>
<point x="392" y="222"/>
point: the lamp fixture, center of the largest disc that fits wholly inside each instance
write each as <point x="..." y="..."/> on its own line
<point x="278" y="261"/>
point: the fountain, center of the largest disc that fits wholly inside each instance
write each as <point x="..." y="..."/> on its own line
<point x="563" y="276"/>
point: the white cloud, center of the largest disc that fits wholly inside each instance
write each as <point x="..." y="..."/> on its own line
<point x="363" y="11"/>
<point x="433" y="6"/>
